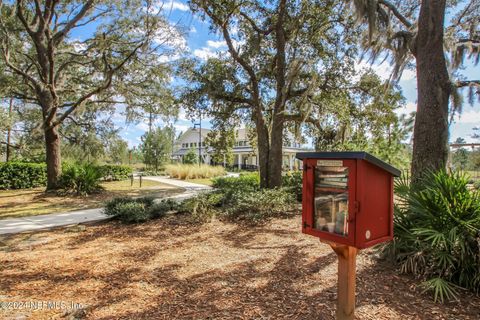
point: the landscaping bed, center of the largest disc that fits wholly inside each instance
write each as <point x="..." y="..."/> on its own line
<point x="170" y="269"/>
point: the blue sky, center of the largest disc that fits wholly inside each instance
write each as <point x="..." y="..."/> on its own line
<point x="202" y="44"/>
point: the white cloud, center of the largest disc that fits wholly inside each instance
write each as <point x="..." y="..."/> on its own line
<point x="407" y="109"/>
<point x="384" y="70"/>
<point x="216" y="44"/>
<point x="142" y="126"/>
<point x="170" y="6"/>
<point x="176" y="5"/>
<point x="131" y="142"/>
<point x="469" y="117"/>
<point x="213" y="49"/>
<point x="169" y="36"/>
<point x="193" y="29"/>
<point x="181" y="127"/>
<point x="205" y="53"/>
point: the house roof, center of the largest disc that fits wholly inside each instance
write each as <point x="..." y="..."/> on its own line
<point x="350" y="155"/>
<point x="241" y="134"/>
<point x="190" y="130"/>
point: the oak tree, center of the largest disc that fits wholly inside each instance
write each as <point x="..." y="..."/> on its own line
<point x="68" y="55"/>
<point x="419" y="31"/>
<point x="279" y="54"/>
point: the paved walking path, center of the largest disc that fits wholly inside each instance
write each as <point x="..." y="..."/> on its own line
<point x="17" y="225"/>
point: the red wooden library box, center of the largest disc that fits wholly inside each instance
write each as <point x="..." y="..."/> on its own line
<point x="347" y="197"/>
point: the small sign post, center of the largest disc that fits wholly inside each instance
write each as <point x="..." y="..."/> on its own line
<point x="347" y="202"/>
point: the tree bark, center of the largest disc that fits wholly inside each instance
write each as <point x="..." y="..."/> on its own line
<point x="263" y="146"/>
<point x="52" y="140"/>
<point x="9" y="130"/>
<point x="275" y="155"/>
<point x="430" y="136"/>
<point x="53" y="158"/>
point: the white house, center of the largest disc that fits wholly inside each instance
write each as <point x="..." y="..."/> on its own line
<point x="245" y="157"/>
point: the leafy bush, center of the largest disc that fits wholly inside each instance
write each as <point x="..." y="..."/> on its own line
<point x="191" y="157"/>
<point x="229" y="186"/>
<point x="202" y="208"/>
<point x="260" y="205"/>
<point x="246" y="182"/>
<point x="113" y="172"/>
<point x="476" y="185"/>
<point x="190" y="171"/>
<point x="20" y="175"/>
<point x="293" y="181"/>
<point x="80" y="178"/>
<point x="160" y="209"/>
<point x="437" y="233"/>
<point x="134" y="210"/>
<point x="160" y="172"/>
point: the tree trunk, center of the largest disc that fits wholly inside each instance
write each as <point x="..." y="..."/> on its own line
<point x="430" y="136"/>
<point x="263" y="146"/>
<point x="275" y="155"/>
<point x="53" y="159"/>
<point x="9" y="130"/>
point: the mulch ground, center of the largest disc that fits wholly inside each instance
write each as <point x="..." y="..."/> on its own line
<point x="169" y="269"/>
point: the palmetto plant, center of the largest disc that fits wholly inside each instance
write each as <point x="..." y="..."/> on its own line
<point x="437" y="233"/>
<point x="81" y="178"/>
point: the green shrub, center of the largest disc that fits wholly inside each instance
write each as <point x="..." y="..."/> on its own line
<point x="476" y="185"/>
<point x="202" y="208"/>
<point x="260" y="205"/>
<point x="293" y="181"/>
<point x="160" y="209"/>
<point x="191" y="157"/>
<point x="159" y="172"/>
<point x="80" y="178"/>
<point x="437" y="233"/>
<point x="134" y="210"/>
<point x="229" y="186"/>
<point x="113" y="172"/>
<point x="20" y="175"/>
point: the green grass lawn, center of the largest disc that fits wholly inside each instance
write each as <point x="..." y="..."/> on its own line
<point x="207" y="182"/>
<point x="31" y="202"/>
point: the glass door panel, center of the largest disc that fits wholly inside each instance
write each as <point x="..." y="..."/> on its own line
<point x="330" y="212"/>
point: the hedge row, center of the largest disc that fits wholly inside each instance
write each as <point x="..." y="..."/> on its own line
<point x="19" y="175"/>
<point x="113" y="172"/>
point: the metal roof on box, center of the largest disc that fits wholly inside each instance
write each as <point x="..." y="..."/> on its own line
<point x="350" y="155"/>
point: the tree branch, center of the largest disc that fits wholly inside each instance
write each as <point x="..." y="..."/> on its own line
<point x="57" y="37"/>
<point x="396" y="13"/>
<point x="467" y="83"/>
<point x="106" y="85"/>
<point x="259" y="30"/>
<point x="300" y="118"/>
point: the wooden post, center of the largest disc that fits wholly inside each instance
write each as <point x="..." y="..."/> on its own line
<point x="346" y="280"/>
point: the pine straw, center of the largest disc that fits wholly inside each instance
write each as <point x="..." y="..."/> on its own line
<point x="168" y="269"/>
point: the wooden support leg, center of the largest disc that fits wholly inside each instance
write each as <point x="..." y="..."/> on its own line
<point x="346" y="281"/>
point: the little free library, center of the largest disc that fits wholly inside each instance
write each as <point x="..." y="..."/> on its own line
<point x="347" y="202"/>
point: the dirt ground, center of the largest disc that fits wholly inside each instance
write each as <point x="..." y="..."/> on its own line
<point x="168" y="269"/>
